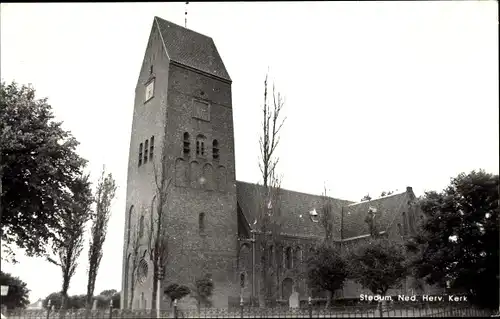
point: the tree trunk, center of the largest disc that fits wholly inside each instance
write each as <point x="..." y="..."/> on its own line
<point x="154" y="293"/>
<point x="132" y="290"/>
<point x="382" y="305"/>
<point x="90" y="293"/>
<point x="329" y="295"/>
<point x="64" y="300"/>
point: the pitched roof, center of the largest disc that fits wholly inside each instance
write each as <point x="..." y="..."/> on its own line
<point x="192" y="49"/>
<point x="388" y="209"/>
<point x="295" y="208"/>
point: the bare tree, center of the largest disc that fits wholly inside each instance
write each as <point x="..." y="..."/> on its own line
<point x="157" y="234"/>
<point x="68" y="243"/>
<point x="105" y="193"/>
<point x="327" y="217"/>
<point x="327" y="222"/>
<point x="268" y="225"/>
<point x="268" y="221"/>
<point x="271" y="126"/>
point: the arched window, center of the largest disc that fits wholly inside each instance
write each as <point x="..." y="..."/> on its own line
<point x="242" y="280"/>
<point x="201" y="222"/>
<point x="146" y="151"/>
<point x="405" y="225"/>
<point x="271" y="255"/>
<point x="244" y="258"/>
<point x="200" y="145"/>
<point x="297" y="256"/>
<point x="142" y="271"/>
<point x="151" y="147"/>
<point x="288" y="258"/>
<point x="140" y="154"/>
<point x="129" y="225"/>
<point x="312" y="252"/>
<point x="187" y="144"/>
<point x="141" y="227"/>
<point x="215" y="150"/>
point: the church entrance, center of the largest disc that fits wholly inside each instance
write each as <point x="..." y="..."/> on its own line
<point x="287" y="288"/>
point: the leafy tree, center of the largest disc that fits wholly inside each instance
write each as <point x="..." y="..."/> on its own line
<point x="176" y="291"/>
<point x="105" y="193"/>
<point x="79" y="301"/>
<point x="108" y="292"/>
<point x="377" y="265"/>
<point x="55" y="299"/>
<point x="38" y="163"/>
<point x="68" y="243"/>
<point x="18" y="293"/>
<point x="204" y="288"/>
<point x="326" y="269"/>
<point x="116" y="300"/>
<point x="103" y="301"/>
<point x="458" y="237"/>
<point x="76" y="302"/>
<point x="106" y="296"/>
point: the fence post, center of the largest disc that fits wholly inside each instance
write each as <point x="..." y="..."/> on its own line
<point x="241" y="307"/>
<point x="175" y="308"/>
<point x="48" y="309"/>
<point x="309" y="303"/>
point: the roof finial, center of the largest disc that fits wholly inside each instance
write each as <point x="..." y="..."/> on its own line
<point x="186" y="16"/>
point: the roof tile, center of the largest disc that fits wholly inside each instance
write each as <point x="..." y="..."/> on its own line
<point x="295" y="208"/>
<point x="192" y="49"/>
<point x="388" y="209"/>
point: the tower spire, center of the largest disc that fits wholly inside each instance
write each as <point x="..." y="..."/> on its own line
<point x="186" y="15"/>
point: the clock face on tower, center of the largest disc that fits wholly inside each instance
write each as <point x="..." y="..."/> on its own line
<point x="150" y="87"/>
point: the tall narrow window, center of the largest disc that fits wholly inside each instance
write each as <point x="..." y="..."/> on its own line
<point x="141" y="227"/>
<point x="200" y="145"/>
<point x="271" y="256"/>
<point x="151" y="147"/>
<point x="242" y="280"/>
<point x="186" y="144"/>
<point x="140" y="154"/>
<point x="146" y="152"/>
<point x="298" y="256"/>
<point x="288" y="258"/>
<point x="151" y="69"/>
<point x="150" y="87"/>
<point x="201" y="222"/>
<point x="215" y="150"/>
<point x="405" y="225"/>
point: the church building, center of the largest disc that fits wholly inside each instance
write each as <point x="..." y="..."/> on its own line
<point x="183" y="135"/>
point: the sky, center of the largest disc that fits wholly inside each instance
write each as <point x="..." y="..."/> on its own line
<point x="379" y="95"/>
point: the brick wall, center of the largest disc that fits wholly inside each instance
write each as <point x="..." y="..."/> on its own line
<point x="167" y="116"/>
<point x="148" y="120"/>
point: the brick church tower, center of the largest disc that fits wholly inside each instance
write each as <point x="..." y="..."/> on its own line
<point x="182" y="129"/>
